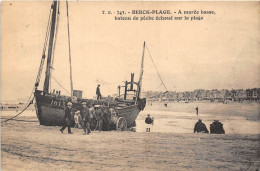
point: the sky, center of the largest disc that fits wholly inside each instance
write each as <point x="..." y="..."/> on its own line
<point x="219" y="52"/>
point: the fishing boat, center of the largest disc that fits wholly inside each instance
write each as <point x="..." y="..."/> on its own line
<point x="50" y="105"/>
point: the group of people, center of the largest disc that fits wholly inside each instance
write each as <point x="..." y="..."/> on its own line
<point x="215" y="128"/>
<point x="90" y="117"/>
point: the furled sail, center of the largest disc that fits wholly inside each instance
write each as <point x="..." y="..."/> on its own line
<point x="141" y="73"/>
<point x="51" y="43"/>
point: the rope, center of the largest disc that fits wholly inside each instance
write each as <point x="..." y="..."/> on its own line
<point x="22" y="120"/>
<point x="156" y="69"/>
<point x="47" y="33"/>
<point x="44" y="49"/>
<point x="60" y="85"/>
<point x="31" y="102"/>
<point x="141" y="70"/>
<point x="158" y="87"/>
<point x="39" y="71"/>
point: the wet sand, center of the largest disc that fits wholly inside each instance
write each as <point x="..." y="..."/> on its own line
<point x="237" y="118"/>
<point x="28" y="146"/>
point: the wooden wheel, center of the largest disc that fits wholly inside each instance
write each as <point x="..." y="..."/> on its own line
<point x="121" y="124"/>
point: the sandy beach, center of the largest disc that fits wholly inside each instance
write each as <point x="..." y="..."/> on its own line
<point x="28" y="146"/>
<point x="25" y="145"/>
<point x="181" y="58"/>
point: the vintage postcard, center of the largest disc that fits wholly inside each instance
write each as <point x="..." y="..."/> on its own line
<point x="130" y="85"/>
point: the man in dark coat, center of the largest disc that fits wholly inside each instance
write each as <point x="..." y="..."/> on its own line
<point x="200" y="127"/>
<point x="217" y="127"/>
<point x="148" y="121"/>
<point x="107" y="116"/>
<point x="98" y="92"/>
<point x="68" y="118"/>
<point x="86" y="119"/>
<point x="92" y="113"/>
<point x="99" y="118"/>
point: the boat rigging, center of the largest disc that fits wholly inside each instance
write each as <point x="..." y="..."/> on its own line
<point x="50" y="106"/>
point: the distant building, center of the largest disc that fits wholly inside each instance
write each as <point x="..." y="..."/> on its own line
<point x="201" y="94"/>
<point x="180" y="96"/>
<point x="215" y="94"/>
<point x="234" y="94"/>
<point x="249" y="94"/>
<point x="204" y="94"/>
<point x="175" y="96"/>
<point x="228" y="95"/>
<point x="186" y="95"/>
<point x="256" y="94"/>
<point x="241" y="95"/>
<point x="192" y="96"/>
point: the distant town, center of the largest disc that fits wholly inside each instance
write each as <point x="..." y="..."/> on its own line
<point x="201" y="94"/>
<point x="214" y="95"/>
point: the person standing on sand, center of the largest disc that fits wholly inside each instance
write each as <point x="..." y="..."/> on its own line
<point x="78" y="120"/>
<point x="68" y="114"/>
<point x="99" y="119"/>
<point x="148" y="121"/>
<point x="86" y="119"/>
<point x="93" y="116"/>
<point x="107" y="115"/>
<point x="197" y="110"/>
<point x="98" y="92"/>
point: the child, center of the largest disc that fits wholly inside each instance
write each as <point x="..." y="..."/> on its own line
<point x="148" y="121"/>
<point x="78" y="119"/>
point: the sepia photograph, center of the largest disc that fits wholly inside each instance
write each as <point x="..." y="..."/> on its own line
<point x="130" y="85"/>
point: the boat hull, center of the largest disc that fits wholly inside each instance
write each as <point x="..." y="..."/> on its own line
<point x="130" y="113"/>
<point x="50" y="110"/>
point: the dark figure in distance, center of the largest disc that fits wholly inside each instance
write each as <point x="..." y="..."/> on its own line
<point x="68" y="118"/>
<point x="200" y="127"/>
<point x="197" y="110"/>
<point x="98" y="92"/>
<point x="86" y="119"/>
<point x="217" y="128"/>
<point x="148" y="121"/>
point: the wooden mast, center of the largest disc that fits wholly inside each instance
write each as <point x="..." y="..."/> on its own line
<point x="71" y="83"/>
<point x="52" y="31"/>
<point x="141" y="73"/>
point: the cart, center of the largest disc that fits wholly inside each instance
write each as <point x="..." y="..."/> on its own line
<point x="119" y="122"/>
